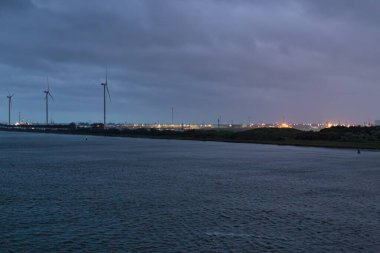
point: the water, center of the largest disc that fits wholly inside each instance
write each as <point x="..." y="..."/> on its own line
<point x="62" y="193"/>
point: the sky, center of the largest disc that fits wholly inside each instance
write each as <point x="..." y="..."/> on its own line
<point x="243" y="60"/>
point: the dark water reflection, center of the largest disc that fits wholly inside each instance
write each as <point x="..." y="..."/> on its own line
<point x="62" y="193"/>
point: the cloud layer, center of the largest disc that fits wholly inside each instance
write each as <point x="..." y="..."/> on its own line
<point x="302" y="61"/>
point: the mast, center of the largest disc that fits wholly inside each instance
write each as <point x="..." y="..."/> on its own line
<point x="47" y="109"/>
<point x="9" y="110"/>
<point x="104" y="105"/>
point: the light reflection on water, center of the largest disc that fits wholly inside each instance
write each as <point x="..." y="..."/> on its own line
<point x="62" y="193"/>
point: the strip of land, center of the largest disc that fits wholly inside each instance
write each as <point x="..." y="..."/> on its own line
<point x="335" y="137"/>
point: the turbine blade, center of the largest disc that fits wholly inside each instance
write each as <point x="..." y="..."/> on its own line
<point x="106" y="75"/>
<point x="51" y="96"/>
<point x="108" y="92"/>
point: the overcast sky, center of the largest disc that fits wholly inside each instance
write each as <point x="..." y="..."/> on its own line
<point x="294" y="60"/>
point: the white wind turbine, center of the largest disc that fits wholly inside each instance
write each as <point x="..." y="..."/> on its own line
<point x="105" y="90"/>
<point x="9" y="107"/>
<point x="47" y="95"/>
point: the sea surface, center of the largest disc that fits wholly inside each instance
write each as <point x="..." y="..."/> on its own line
<point x="63" y="193"/>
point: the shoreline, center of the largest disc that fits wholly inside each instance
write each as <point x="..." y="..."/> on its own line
<point x="373" y="146"/>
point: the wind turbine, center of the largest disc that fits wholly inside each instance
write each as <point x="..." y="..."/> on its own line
<point x="172" y="115"/>
<point x="9" y="107"/>
<point x="105" y="90"/>
<point x="47" y="95"/>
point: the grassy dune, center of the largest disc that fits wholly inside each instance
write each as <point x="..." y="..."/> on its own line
<point x="336" y="137"/>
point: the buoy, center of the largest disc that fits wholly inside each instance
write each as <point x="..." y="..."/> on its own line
<point x="358" y="151"/>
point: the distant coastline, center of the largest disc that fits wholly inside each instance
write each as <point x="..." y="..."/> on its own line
<point x="335" y="137"/>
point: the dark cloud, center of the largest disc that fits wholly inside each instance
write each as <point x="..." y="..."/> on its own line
<point x="268" y="60"/>
<point x="15" y="5"/>
<point x="351" y="10"/>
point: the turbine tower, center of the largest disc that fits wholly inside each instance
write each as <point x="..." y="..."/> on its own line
<point x="9" y="107"/>
<point x="172" y="115"/>
<point x="105" y="90"/>
<point x="47" y="95"/>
